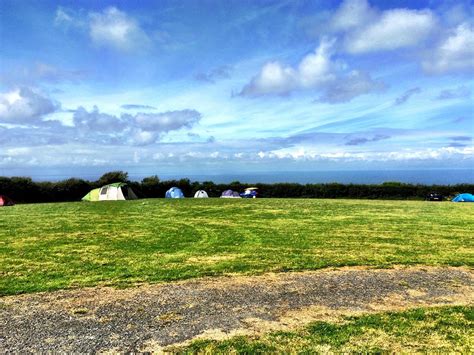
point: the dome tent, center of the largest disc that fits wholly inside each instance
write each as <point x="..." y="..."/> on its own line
<point x="6" y="201"/>
<point x="112" y="192"/>
<point x="463" y="198"/>
<point x="201" y="194"/>
<point x="230" y="194"/>
<point x="174" y="192"/>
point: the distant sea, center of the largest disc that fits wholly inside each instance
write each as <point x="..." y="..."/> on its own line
<point x="435" y="176"/>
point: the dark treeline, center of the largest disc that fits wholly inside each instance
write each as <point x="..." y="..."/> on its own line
<point x="25" y="190"/>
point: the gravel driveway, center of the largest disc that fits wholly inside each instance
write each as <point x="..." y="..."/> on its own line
<point x="150" y="317"/>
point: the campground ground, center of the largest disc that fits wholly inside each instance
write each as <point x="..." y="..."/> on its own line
<point x="135" y="244"/>
<point x="152" y="317"/>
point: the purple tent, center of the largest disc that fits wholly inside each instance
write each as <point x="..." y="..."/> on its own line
<point x="230" y="194"/>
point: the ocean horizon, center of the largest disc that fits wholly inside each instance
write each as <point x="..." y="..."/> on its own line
<point x="411" y="176"/>
<point x="430" y="177"/>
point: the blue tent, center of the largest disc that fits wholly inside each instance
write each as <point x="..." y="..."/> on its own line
<point x="174" y="192"/>
<point x="463" y="198"/>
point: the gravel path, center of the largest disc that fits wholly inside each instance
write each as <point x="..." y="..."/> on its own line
<point x="149" y="317"/>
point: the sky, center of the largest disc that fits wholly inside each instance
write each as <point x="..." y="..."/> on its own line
<point x="208" y="87"/>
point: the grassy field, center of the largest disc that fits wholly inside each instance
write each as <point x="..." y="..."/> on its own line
<point x="52" y="246"/>
<point x="437" y="330"/>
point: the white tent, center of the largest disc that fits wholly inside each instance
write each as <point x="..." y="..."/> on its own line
<point x="201" y="194"/>
<point x="117" y="191"/>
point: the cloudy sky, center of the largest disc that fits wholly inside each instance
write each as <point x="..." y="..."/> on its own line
<point x="199" y="87"/>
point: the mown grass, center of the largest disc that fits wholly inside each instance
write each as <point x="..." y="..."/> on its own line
<point x="53" y="246"/>
<point x="436" y="330"/>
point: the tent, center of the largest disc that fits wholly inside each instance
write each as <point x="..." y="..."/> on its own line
<point x="112" y="192"/>
<point x="463" y="198"/>
<point x="201" y="194"/>
<point x="6" y="201"/>
<point x="92" y="195"/>
<point x="174" y="192"/>
<point x="230" y="194"/>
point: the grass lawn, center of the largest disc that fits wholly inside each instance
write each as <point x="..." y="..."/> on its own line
<point x="437" y="330"/>
<point x="52" y="246"/>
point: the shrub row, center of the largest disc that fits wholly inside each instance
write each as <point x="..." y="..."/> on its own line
<point x="24" y="189"/>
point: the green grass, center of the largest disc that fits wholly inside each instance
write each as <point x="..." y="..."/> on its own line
<point x="436" y="330"/>
<point x="53" y="246"/>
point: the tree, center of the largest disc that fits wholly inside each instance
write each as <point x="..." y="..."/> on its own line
<point x="151" y="180"/>
<point x="151" y="187"/>
<point x="113" y="176"/>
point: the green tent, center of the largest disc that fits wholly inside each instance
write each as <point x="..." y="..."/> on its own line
<point x="111" y="192"/>
<point x="93" y="195"/>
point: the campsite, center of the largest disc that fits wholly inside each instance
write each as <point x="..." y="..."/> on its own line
<point x="236" y="177"/>
<point x="114" y="245"/>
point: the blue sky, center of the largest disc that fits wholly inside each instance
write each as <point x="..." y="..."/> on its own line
<point x="200" y="87"/>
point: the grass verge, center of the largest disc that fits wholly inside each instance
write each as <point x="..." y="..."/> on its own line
<point x="432" y="330"/>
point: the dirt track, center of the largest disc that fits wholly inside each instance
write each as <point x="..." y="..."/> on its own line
<point x="150" y="317"/>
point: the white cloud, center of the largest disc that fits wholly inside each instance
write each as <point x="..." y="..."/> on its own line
<point x="317" y="67"/>
<point x="19" y="151"/>
<point x="316" y="71"/>
<point x="110" y="28"/>
<point x="64" y="17"/>
<point x="144" y="137"/>
<point x="95" y="121"/>
<point x="114" y="28"/>
<point x="440" y="47"/>
<point x="247" y="152"/>
<point x="24" y="113"/>
<point x="275" y="78"/>
<point x="148" y="127"/>
<point x="436" y="154"/>
<point x="350" y="86"/>
<point x="167" y="121"/>
<point x="444" y="153"/>
<point x="454" y="54"/>
<point x="397" y="28"/>
<point x="25" y="105"/>
<point x="366" y="29"/>
<point x="138" y="129"/>
<point x="351" y="14"/>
